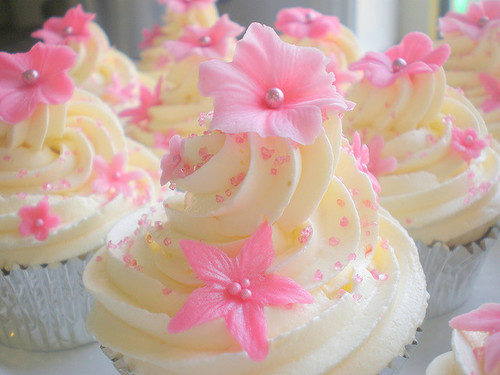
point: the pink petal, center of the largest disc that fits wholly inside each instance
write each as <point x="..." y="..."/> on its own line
<point x="490" y="83"/>
<point x="301" y="124"/>
<point x="277" y="290"/>
<point x="247" y="324"/>
<point x="486" y="318"/>
<point x="492" y="352"/>
<point x="257" y="253"/>
<point x="117" y="163"/>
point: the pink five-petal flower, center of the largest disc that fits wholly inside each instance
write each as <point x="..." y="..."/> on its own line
<point x="492" y="87"/>
<point x="361" y="153"/>
<point x="237" y="289"/>
<point x="37" y="220"/>
<point x="150" y="36"/>
<point x="111" y="178"/>
<point x="210" y="42"/>
<point x="478" y="18"/>
<point x="484" y="319"/>
<point x="414" y="55"/>
<point x="73" y="27"/>
<point x="140" y="115"/>
<point x="172" y="159"/>
<point x="183" y="6"/>
<point x="305" y="23"/>
<point x="37" y="76"/>
<point x="466" y="143"/>
<point x="271" y="87"/>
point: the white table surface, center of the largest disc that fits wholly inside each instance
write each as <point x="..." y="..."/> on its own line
<point x="89" y="359"/>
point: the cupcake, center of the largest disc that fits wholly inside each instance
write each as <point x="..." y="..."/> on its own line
<point x="475" y="342"/>
<point x="431" y="158"/>
<point x="99" y="68"/>
<point x="307" y="27"/>
<point x="474" y="64"/>
<point x="274" y="239"/>
<point x="68" y="173"/>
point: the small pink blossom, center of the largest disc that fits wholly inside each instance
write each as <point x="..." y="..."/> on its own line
<point x="306" y="23"/>
<point x="210" y="42"/>
<point x="38" y="76"/>
<point x="73" y="27"/>
<point x="237" y="289"/>
<point x="466" y="143"/>
<point x="183" y="6"/>
<point x="37" y="220"/>
<point x="150" y="36"/>
<point x="414" y="55"/>
<point x="172" y="159"/>
<point x="112" y="178"/>
<point x="342" y="76"/>
<point x="116" y="92"/>
<point x="484" y="319"/>
<point x="271" y="87"/>
<point x="479" y="17"/>
<point x="492" y="87"/>
<point x="140" y="115"/>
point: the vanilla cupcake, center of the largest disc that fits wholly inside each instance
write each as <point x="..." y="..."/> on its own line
<point x="475" y="343"/>
<point x="273" y="240"/>
<point x="474" y="64"/>
<point x="68" y="173"/>
<point x="431" y="151"/>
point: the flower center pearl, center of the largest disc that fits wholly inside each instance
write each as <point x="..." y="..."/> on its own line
<point x="68" y="30"/>
<point x="205" y="41"/>
<point x="469" y="139"/>
<point x="117" y="175"/>
<point x="31" y="76"/>
<point x="274" y="97"/>
<point x="398" y="64"/>
<point x="240" y="289"/>
<point x="482" y="21"/>
<point x="39" y="223"/>
<point x="309" y="17"/>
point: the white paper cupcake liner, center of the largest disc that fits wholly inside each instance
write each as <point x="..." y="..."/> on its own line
<point x="452" y="271"/>
<point x="44" y="308"/>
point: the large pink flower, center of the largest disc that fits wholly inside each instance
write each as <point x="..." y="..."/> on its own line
<point x="478" y="18"/>
<point x="211" y="42"/>
<point x="183" y="6"/>
<point x="271" y="87"/>
<point x="73" y="27"/>
<point x="306" y="23"/>
<point x="37" y="220"/>
<point x="237" y="289"/>
<point x="466" y="143"/>
<point x="38" y="76"/>
<point x="414" y="55"/>
<point x="484" y="319"/>
<point x="492" y="87"/>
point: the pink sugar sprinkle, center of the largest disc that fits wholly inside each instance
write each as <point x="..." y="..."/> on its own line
<point x="219" y="198"/>
<point x="367" y="203"/>
<point x="341" y="292"/>
<point x="266" y="153"/>
<point x="367" y="233"/>
<point x="98" y="258"/>
<point x="166" y="291"/>
<point x="47" y="186"/>
<point x="318" y="276"/>
<point x="356" y="296"/>
<point x="352" y="256"/>
<point x="235" y="181"/>
<point x="274" y="171"/>
<point x="158" y="225"/>
<point x="375" y="273"/>
<point x="355" y="191"/>
<point x="344" y="222"/>
<point x="408" y="220"/>
<point x="280" y="160"/>
<point x="333" y="241"/>
<point x="382" y="276"/>
<point x="172" y="186"/>
<point x="466" y="201"/>
<point x="21" y="173"/>
<point x="338" y="266"/>
<point x="21" y="195"/>
<point x="358" y="278"/>
<point x="385" y="244"/>
<point x="368" y="249"/>
<point x="228" y="193"/>
<point x="167" y="241"/>
<point x="305" y="234"/>
<point x="6" y="158"/>
<point x="471" y="175"/>
<point x="111" y="245"/>
<point x="340" y="202"/>
<point x="479" y="353"/>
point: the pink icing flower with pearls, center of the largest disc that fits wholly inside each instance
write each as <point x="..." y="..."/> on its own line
<point x="37" y="76"/>
<point x="271" y="87"/>
<point x="150" y="36"/>
<point x="37" y="220"/>
<point x="414" y="55"/>
<point x="306" y="23"/>
<point x="183" y="6"/>
<point x="484" y="319"/>
<point x="112" y="178"/>
<point x="210" y="42"/>
<point x="492" y="87"/>
<point x="237" y="289"/>
<point x="73" y="27"/>
<point x="172" y="159"/>
<point x="466" y="143"/>
<point x="140" y="115"/>
<point x="479" y="17"/>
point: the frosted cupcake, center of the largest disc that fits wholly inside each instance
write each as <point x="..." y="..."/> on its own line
<point x="276" y="240"/>
<point x="430" y="149"/>
<point x="474" y="64"/>
<point x="475" y="342"/>
<point x="307" y="27"/>
<point x="67" y="174"/>
<point x="99" y="68"/>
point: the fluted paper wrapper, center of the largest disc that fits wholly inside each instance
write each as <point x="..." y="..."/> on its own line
<point x="126" y="366"/>
<point x="44" y="308"/>
<point x="452" y="271"/>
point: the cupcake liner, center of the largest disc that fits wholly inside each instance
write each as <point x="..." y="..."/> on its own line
<point x="452" y="271"/>
<point x="45" y="307"/>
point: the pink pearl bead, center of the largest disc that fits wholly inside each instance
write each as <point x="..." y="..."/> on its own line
<point x="274" y="98"/>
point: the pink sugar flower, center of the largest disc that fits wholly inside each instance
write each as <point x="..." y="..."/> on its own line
<point x="271" y="87"/>
<point x="210" y="42"/>
<point x="466" y="143"/>
<point x="484" y="319"/>
<point x="414" y="55"/>
<point x="492" y="87"/>
<point x="183" y="6"/>
<point x="172" y="159"/>
<point x="111" y="178"/>
<point x="73" y="27"/>
<point x="150" y="36"/>
<point x="116" y="92"/>
<point x="140" y="115"/>
<point x="37" y="76"/>
<point x="306" y="23"/>
<point x="237" y="289"/>
<point x="37" y="220"/>
<point x="361" y="153"/>
<point x="479" y="17"/>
